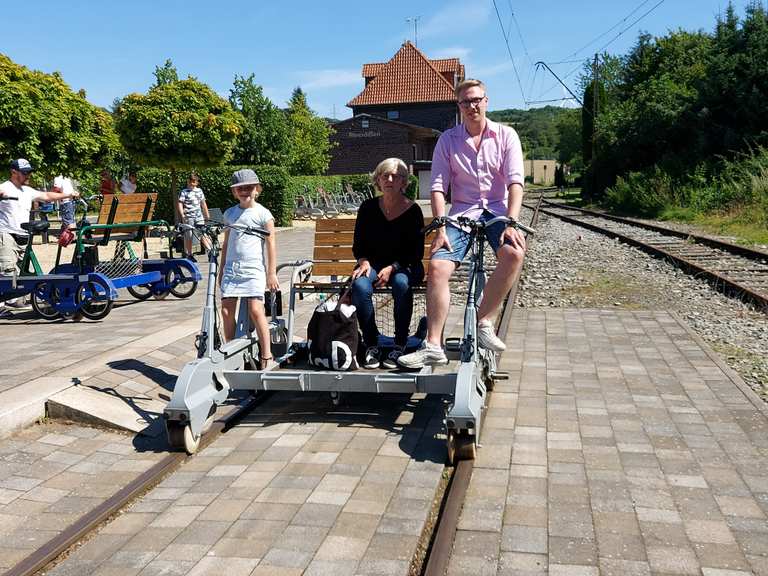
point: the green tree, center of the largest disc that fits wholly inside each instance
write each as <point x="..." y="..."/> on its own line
<point x="310" y="144"/>
<point x="569" y="138"/>
<point x="166" y="74"/>
<point x="43" y="120"/>
<point x="182" y="124"/>
<point x="264" y="139"/>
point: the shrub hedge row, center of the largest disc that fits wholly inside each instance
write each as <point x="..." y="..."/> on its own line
<point x="278" y="195"/>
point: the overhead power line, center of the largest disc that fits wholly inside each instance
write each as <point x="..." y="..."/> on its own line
<point x="509" y="51"/>
<point x="611" y="29"/>
<point x="659" y="3"/>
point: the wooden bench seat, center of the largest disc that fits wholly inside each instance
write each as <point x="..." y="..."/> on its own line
<point x="332" y="255"/>
<point x="333" y="262"/>
<point x="124" y="209"/>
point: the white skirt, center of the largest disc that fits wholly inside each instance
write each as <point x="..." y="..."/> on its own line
<point x="233" y="286"/>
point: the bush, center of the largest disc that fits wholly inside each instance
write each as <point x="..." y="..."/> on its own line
<point x="215" y="182"/>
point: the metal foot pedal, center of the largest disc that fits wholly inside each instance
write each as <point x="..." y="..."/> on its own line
<point x="453" y="348"/>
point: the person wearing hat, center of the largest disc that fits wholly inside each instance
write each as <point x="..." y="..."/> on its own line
<point x="16" y="200"/>
<point x="244" y="272"/>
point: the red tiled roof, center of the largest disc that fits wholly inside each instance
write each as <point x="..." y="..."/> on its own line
<point x="441" y="64"/>
<point x="408" y="77"/>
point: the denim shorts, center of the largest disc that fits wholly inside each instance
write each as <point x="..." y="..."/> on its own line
<point x="67" y="213"/>
<point x="459" y="239"/>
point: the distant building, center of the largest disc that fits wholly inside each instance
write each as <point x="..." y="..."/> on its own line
<point x="541" y="171"/>
<point x="405" y="105"/>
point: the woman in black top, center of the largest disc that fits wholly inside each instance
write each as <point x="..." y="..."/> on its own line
<point x="389" y="246"/>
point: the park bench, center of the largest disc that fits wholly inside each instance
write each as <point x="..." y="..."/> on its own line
<point x="124" y="209"/>
<point x="333" y="262"/>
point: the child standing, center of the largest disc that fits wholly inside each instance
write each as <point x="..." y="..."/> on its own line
<point x="193" y="210"/>
<point x="243" y="273"/>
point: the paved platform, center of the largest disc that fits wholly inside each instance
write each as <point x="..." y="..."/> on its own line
<point x="620" y="446"/>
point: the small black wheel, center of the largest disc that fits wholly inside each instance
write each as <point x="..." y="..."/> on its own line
<point x="94" y="301"/>
<point x="140" y="291"/>
<point x="182" y="281"/>
<point x="45" y="296"/>
<point x="161" y="295"/>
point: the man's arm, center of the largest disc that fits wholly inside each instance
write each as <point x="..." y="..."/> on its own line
<point x="514" y="200"/>
<point x="54" y="196"/>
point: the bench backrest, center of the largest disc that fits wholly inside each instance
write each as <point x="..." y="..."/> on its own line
<point x="124" y="209"/>
<point x="332" y="255"/>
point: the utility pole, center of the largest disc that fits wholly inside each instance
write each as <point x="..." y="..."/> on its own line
<point x="595" y="78"/>
<point x="415" y="20"/>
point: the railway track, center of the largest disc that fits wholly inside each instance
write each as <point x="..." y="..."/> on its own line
<point x="734" y="270"/>
<point x="438" y="537"/>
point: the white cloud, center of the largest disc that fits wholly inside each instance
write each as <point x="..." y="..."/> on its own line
<point x="456" y="17"/>
<point x="460" y="52"/>
<point x="328" y="78"/>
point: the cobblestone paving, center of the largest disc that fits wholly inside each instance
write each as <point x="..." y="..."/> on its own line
<point x="618" y="447"/>
<point x="53" y="473"/>
<point x="299" y="487"/>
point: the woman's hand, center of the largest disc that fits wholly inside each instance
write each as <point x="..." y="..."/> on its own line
<point x="272" y="282"/>
<point x="382" y="279"/>
<point x="363" y="268"/>
<point x="440" y="241"/>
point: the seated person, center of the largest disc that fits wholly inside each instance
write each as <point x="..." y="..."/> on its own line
<point x="128" y="183"/>
<point x="389" y="247"/>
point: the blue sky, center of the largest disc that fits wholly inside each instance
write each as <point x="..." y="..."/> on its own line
<point x="110" y="48"/>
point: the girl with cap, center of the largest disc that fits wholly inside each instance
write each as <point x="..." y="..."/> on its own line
<point x="244" y="272"/>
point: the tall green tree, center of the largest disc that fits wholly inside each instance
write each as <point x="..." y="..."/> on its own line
<point x="569" y="138"/>
<point x="265" y="138"/>
<point x="310" y="144"/>
<point x="181" y="124"/>
<point x="42" y="119"/>
<point x="166" y="74"/>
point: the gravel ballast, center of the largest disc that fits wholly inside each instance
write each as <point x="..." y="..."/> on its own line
<point x="571" y="267"/>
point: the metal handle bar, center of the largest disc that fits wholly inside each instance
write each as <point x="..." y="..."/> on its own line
<point x="464" y="222"/>
<point x="215" y="226"/>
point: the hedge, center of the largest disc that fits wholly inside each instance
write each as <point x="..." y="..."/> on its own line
<point x="360" y="182"/>
<point x="278" y="195"/>
<point x="215" y="182"/>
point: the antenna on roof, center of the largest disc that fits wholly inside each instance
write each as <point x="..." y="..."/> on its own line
<point x="415" y="20"/>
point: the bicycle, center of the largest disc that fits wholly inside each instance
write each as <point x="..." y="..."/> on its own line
<point x="475" y="362"/>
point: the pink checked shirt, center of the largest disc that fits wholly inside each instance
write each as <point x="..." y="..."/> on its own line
<point x="478" y="179"/>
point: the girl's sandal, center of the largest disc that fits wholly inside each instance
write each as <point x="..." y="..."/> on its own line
<point x="264" y="362"/>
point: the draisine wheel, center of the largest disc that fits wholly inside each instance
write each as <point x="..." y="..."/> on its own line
<point x="461" y="446"/>
<point x="180" y="436"/>
<point x="182" y="281"/>
<point x="94" y="301"/>
<point x="140" y="291"/>
<point x="45" y="296"/>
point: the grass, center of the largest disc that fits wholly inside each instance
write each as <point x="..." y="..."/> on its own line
<point x="598" y="288"/>
<point x="742" y="223"/>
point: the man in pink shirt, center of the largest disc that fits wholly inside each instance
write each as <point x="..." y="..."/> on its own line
<point x="482" y="164"/>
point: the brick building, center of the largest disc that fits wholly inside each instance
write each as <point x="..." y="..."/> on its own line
<point x="405" y="105"/>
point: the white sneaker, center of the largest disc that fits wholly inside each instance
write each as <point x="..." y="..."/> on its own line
<point x="427" y="355"/>
<point x="371" y="361"/>
<point x="390" y="361"/>
<point x="486" y="337"/>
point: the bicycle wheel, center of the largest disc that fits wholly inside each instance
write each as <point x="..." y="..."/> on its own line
<point x="182" y="281"/>
<point x="45" y="296"/>
<point x="94" y="301"/>
<point x="140" y="291"/>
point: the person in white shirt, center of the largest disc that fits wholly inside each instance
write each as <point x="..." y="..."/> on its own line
<point x="128" y="183"/>
<point x="66" y="206"/>
<point x="16" y="200"/>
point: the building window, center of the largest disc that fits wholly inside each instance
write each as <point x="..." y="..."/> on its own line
<point x="393" y="114"/>
<point x="364" y="123"/>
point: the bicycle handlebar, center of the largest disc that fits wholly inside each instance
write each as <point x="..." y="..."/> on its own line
<point x="464" y="222"/>
<point x="214" y="226"/>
